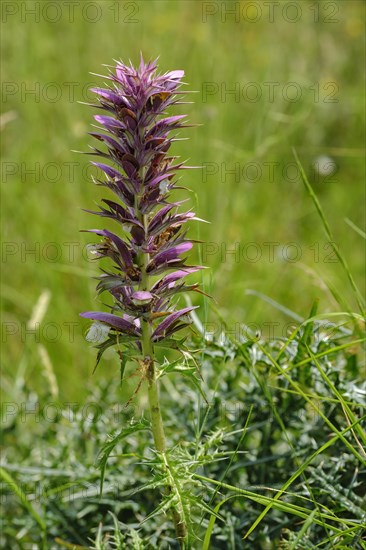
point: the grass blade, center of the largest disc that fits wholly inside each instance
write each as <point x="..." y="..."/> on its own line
<point x="359" y="298"/>
<point x="22" y="497"/>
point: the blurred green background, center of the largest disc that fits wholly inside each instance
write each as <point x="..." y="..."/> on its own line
<point x="248" y="188"/>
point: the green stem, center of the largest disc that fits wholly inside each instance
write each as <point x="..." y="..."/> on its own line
<point x="154" y="403"/>
<point x="153" y="390"/>
<point x="148" y="354"/>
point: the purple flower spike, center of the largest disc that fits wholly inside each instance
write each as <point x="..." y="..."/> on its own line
<point x="136" y="130"/>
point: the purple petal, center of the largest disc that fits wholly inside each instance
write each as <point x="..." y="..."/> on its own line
<point x="159" y="178"/>
<point x="172" y="253"/>
<point x="121" y="246"/>
<point x="172" y="221"/>
<point x="165" y="125"/>
<point x="170" y="120"/>
<point x="118" y="213"/>
<point x="109" y="141"/>
<point x="170" y="320"/>
<point x="111" y="172"/>
<point x="175" y="276"/>
<point x="159" y="216"/>
<point x="119" y="210"/>
<point x="109" y="122"/>
<point x="113" y="320"/>
<point x="108" y="94"/>
<point x="121" y="214"/>
<point x="174" y="75"/>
